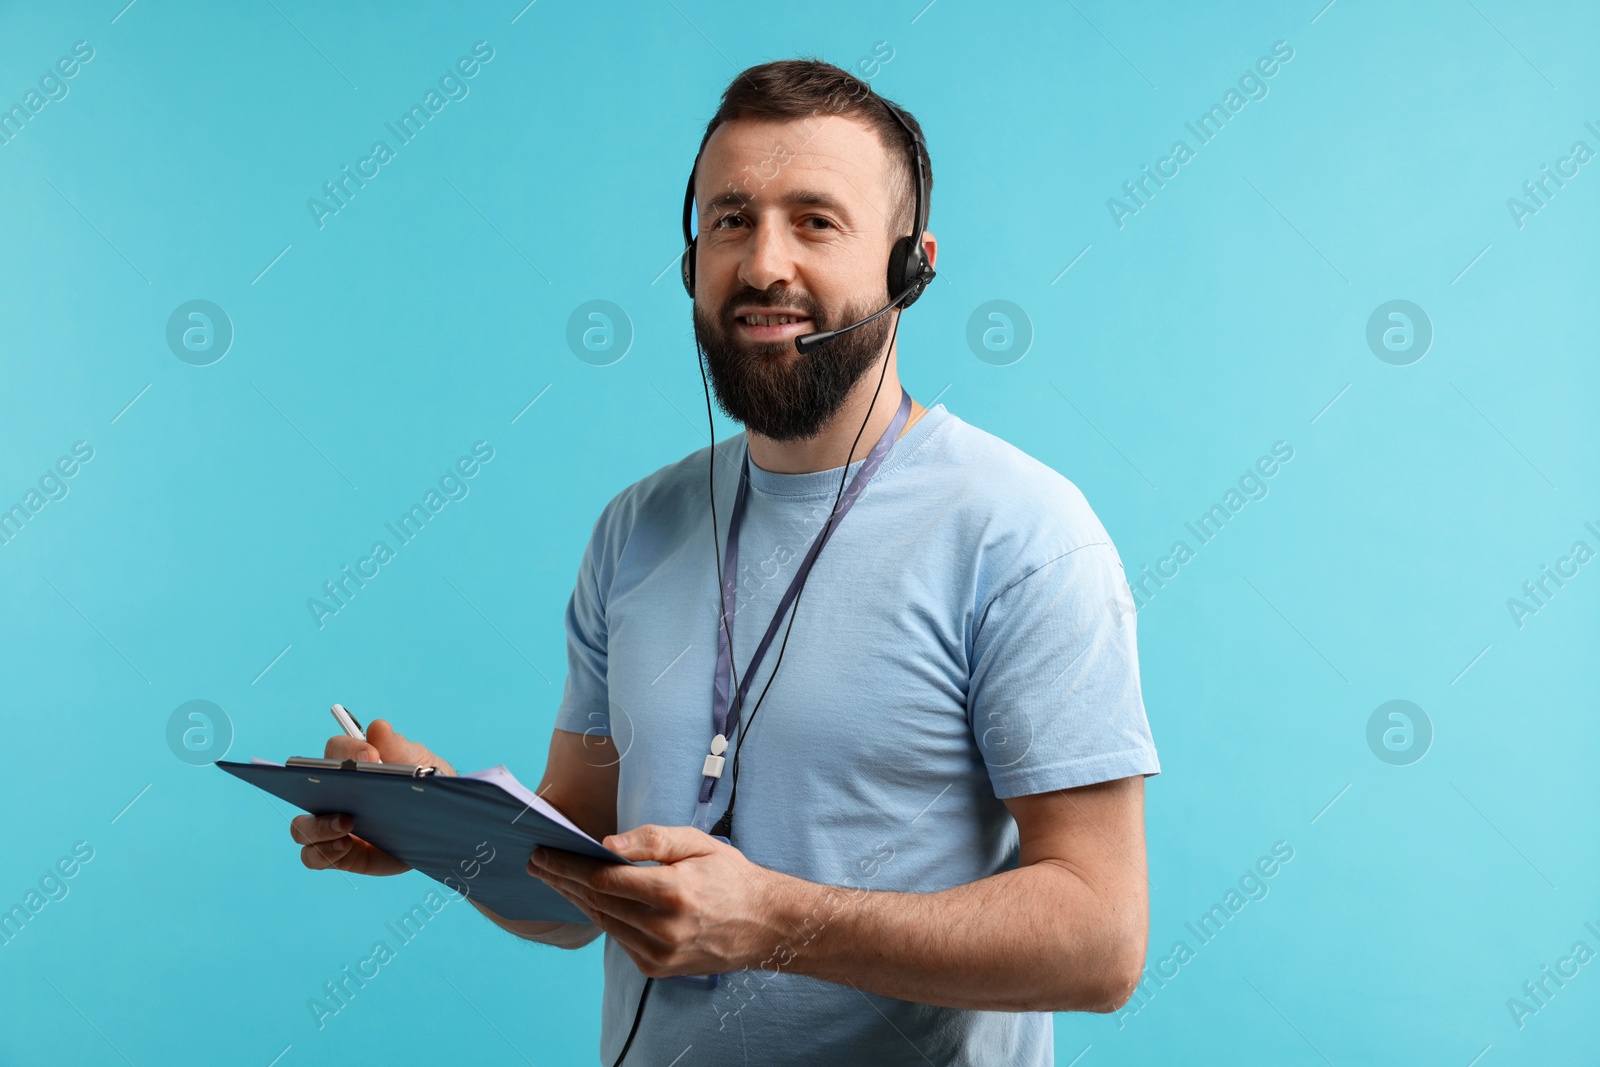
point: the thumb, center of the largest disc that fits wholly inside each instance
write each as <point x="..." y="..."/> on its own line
<point x="664" y="844"/>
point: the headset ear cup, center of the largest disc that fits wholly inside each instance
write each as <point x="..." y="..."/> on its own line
<point x="907" y="265"/>
<point x="688" y="266"/>
<point x="902" y="267"/>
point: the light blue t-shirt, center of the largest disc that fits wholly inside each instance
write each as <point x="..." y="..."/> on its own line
<point x="964" y="636"/>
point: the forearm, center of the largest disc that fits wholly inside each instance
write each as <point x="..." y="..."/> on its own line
<point x="1036" y="938"/>
<point x="559" y="934"/>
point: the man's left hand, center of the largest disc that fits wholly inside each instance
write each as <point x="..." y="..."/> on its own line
<point x="705" y="910"/>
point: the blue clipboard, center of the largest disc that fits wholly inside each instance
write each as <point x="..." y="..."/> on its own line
<point x="472" y="833"/>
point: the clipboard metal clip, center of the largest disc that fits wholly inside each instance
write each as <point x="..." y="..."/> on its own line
<point x="407" y="770"/>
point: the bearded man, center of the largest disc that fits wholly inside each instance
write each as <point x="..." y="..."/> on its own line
<point x="940" y="828"/>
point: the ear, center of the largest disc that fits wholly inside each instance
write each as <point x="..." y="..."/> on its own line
<point x="930" y="245"/>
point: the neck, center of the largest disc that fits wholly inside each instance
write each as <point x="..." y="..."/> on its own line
<point x="826" y="451"/>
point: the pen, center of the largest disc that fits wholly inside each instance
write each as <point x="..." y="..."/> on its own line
<point x="348" y="722"/>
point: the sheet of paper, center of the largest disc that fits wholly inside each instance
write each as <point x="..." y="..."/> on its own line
<point x="501" y="776"/>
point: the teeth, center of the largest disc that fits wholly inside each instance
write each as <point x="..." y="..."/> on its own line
<point x="770" y="320"/>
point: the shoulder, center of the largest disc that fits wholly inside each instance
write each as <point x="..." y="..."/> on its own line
<point x="659" y="509"/>
<point x="1028" y="538"/>
<point x="1018" y="512"/>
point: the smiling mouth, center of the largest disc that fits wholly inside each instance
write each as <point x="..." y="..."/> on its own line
<point x="772" y="326"/>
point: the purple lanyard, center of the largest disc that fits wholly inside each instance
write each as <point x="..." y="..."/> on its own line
<point x="722" y="726"/>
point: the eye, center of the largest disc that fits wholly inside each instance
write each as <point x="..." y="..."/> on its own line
<point x="826" y="223"/>
<point x="724" y="218"/>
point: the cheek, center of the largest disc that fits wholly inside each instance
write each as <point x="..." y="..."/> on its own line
<point x="716" y="277"/>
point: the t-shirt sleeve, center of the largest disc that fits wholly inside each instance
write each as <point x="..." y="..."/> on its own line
<point x="1054" y="692"/>
<point x="585" y="703"/>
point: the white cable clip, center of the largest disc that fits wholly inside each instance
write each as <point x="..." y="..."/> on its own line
<point x="714" y="762"/>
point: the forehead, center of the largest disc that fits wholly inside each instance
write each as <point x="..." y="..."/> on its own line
<point x="764" y="158"/>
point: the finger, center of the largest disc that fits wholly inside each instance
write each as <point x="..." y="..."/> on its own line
<point x="310" y="829"/>
<point x="562" y="862"/>
<point x="624" y="919"/>
<point x="343" y="746"/>
<point x="325" y="854"/>
<point x="664" y="844"/>
<point x="352" y="854"/>
<point x="612" y="903"/>
<point x="637" y="914"/>
<point x="612" y="927"/>
<point x="643" y="884"/>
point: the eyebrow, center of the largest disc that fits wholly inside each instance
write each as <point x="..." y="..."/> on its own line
<point x="793" y="198"/>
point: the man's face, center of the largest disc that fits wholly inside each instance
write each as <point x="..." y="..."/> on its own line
<point x="794" y="222"/>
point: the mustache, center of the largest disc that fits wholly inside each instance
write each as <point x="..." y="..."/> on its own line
<point x="771" y="301"/>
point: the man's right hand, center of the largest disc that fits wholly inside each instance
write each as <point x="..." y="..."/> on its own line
<point x="328" y="840"/>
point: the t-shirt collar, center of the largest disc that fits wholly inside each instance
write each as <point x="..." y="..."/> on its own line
<point x="826" y="482"/>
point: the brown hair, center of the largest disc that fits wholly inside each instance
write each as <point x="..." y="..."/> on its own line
<point x="803" y="88"/>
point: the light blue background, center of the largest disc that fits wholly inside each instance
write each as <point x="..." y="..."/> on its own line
<point x="426" y="316"/>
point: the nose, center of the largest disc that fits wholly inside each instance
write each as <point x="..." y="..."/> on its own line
<point x="768" y="259"/>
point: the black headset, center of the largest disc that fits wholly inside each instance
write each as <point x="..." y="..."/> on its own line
<point x="909" y="269"/>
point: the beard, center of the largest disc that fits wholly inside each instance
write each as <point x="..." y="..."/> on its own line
<point x="768" y="385"/>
